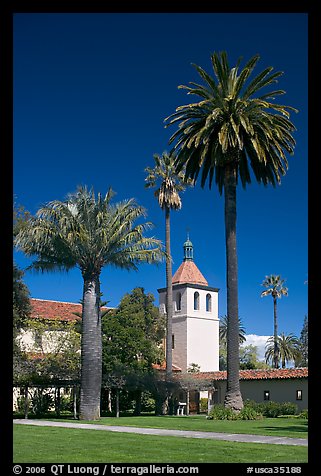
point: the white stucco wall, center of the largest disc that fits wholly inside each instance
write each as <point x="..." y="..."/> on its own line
<point x="203" y="343"/>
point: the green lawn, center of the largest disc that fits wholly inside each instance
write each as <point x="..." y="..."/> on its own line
<point x="289" y="427"/>
<point x="64" y="445"/>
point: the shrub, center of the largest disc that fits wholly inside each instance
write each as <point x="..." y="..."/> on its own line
<point x="304" y="414"/>
<point x="289" y="408"/>
<point x="20" y="405"/>
<point x="272" y="409"/>
<point x="41" y="402"/>
<point x="219" y="412"/>
<point x="203" y="405"/>
<point x="248" y="413"/>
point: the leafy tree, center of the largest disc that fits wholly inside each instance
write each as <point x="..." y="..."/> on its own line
<point x="20" y="315"/>
<point x="232" y="128"/>
<point x="276" y="289"/>
<point x="89" y="233"/>
<point x="132" y="336"/>
<point x="55" y="353"/>
<point x="288" y="348"/>
<point x="249" y="358"/>
<point x="303" y="359"/>
<point x="20" y="217"/>
<point x="168" y="185"/>
<point x="21" y="300"/>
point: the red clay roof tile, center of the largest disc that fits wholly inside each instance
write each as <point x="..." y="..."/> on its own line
<point x="56" y="310"/>
<point x="260" y="374"/>
<point x="188" y="272"/>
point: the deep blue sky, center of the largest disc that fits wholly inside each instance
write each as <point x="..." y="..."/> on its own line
<point x="91" y="92"/>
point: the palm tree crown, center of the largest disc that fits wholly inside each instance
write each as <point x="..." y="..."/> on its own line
<point x="167" y="181"/>
<point x="223" y="330"/>
<point x="88" y="233"/>
<point x="289" y="348"/>
<point x="275" y="285"/>
<point x="233" y="124"/>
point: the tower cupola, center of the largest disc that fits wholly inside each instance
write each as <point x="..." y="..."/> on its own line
<point x="188" y="249"/>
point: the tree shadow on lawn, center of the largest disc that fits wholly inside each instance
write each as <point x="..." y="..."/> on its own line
<point x="300" y="427"/>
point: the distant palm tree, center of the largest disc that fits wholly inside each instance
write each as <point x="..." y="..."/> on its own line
<point x="231" y="129"/>
<point x="223" y="331"/>
<point x="276" y="289"/>
<point x="168" y="185"/>
<point x="89" y="233"/>
<point x="288" y="347"/>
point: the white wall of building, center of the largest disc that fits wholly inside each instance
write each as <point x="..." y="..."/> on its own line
<point x="203" y="343"/>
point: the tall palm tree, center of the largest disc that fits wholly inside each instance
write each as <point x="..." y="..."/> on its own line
<point x="232" y="128"/>
<point x="168" y="185"/>
<point x="276" y="289"/>
<point x="288" y="348"/>
<point x="89" y="233"/>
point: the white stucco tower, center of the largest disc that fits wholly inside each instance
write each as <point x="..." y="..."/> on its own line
<point x="195" y="316"/>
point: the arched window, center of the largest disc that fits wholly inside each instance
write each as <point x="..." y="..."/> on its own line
<point x="178" y="301"/>
<point x="196" y="301"/>
<point x="208" y="303"/>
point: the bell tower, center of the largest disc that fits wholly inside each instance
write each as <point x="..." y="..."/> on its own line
<point x="195" y="336"/>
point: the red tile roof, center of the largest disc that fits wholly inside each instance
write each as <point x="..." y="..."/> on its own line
<point x="162" y="366"/>
<point x="256" y="374"/>
<point x="188" y="272"/>
<point x="56" y="310"/>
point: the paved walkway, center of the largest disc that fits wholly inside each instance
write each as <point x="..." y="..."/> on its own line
<point x="277" y="440"/>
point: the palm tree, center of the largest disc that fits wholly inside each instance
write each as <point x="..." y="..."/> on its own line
<point x="89" y="233"/>
<point x="223" y="331"/>
<point x="276" y="289"/>
<point x="288" y="347"/>
<point x="231" y="129"/>
<point x="169" y="184"/>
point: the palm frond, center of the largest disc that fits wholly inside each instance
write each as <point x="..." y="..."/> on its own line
<point x="229" y="125"/>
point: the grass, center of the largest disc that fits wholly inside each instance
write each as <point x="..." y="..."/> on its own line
<point x="65" y="445"/>
<point x="288" y="427"/>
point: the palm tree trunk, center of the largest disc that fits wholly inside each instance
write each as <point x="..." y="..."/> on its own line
<point x="233" y="397"/>
<point x="169" y="296"/>
<point x="276" y="348"/>
<point x="91" y="351"/>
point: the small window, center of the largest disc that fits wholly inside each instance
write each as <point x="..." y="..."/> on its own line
<point x="208" y="303"/>
<point x="178" y="301"/>
<point x="266" y="394"/>
<point x="196" y="301"/>
<point x="173" y="341"/>
<point x="299" y="394"/>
